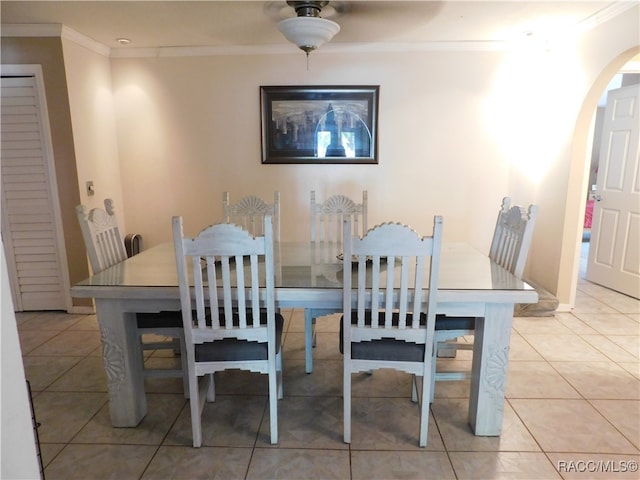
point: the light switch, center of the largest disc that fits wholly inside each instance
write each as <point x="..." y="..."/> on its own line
<point x="90" y="190"/>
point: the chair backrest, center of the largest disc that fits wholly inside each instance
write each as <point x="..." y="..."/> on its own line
<point x="249" y="213"/>
<point x="392" y="263"/>
<point x="101" y="235"/>
<point x="512" y="236"/>
<point x="327" y="218"/>
<point x="226" y="257"/>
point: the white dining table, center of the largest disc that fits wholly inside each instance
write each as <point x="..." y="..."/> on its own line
<point x="470" y="285"/>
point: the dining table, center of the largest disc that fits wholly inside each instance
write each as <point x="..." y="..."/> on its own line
<point x="470" y="284"/>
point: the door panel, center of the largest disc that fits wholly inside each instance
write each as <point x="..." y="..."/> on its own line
<point x="614" y="254"/>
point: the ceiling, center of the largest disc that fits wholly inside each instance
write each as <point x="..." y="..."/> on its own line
<point x="150" y="24"/>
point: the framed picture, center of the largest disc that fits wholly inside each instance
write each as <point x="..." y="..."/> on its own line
<point x="319" y="124"/>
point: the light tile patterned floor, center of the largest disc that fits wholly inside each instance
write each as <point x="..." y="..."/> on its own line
<point x="572" y="410"/>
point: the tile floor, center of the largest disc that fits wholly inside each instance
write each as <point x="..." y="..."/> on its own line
<point x="572" y="409"/>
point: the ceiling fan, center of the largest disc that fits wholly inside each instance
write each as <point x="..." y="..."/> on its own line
<point x="310" y="24"/>
<point x="308" y="30"/>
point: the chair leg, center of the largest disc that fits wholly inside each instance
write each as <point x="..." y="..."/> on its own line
<point x="414" y="389"/>
<point x="308" y="340"/>
<point x="196" y="405"/>
<point x="185" y="366"/>
<point x="211" y="388"/>
<point x="434" y="358"/>
<point x="273" y="404"/>
<point x="140" y="341"/>
<point x="314" y="335"/>
<point x="424" y="412"/>
<point x="346" y="395"/>
<point x="279" y="375"/>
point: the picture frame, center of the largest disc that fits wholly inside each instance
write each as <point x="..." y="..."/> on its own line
<point x="319" y="124"/>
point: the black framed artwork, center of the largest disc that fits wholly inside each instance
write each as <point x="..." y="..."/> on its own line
<point x="319" y="124"/>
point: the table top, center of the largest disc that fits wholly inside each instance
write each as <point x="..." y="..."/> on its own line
<point x="298" y="266"/>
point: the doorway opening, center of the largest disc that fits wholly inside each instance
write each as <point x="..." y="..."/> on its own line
<point x="628" y="76"/>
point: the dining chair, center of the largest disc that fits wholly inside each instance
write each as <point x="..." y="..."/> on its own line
<point x="509" y="249"/>
<point x="327" y="223"/>
<point x="105" y="248"/>
<point x="229" y="320"/>
<point x="389" y="268"/>
<point x="249" y="213"/>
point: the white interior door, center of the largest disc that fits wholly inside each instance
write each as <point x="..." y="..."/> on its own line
<point x="614" y="253"/>
<point x="31" y="223"/>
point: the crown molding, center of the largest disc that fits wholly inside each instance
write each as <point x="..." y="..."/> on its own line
<point x="607" y="13"/>
<point x="288" y="49"/>
<point x="53" y="30"/>
<point x="83" y="40"/>
<point x="200" y="51"/>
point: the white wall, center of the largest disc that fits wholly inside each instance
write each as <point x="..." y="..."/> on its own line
<point x="189" y="128"/>
<point x="94" y="133"/>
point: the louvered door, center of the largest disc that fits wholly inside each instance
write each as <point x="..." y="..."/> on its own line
<point x="31" y="233"/>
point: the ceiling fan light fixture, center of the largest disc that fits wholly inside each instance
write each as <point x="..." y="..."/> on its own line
<point x="308" y="33"/>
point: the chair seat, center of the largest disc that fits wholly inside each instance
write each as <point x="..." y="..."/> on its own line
<point x="159" y="320"/>
<point x="232" y="349"/>
<point x="388" y="349"/>
<point x="455" y="323"/>
<point x="385" y="348"/>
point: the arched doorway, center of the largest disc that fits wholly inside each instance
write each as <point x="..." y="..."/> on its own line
<point x="580" y="166"/>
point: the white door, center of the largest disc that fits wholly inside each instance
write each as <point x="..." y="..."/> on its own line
<point x="31" y="227"/>
<point x="614" y="253"/>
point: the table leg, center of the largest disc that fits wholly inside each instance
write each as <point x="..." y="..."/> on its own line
<point x="122" y="356"/>
<point x="489" y="371"/>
